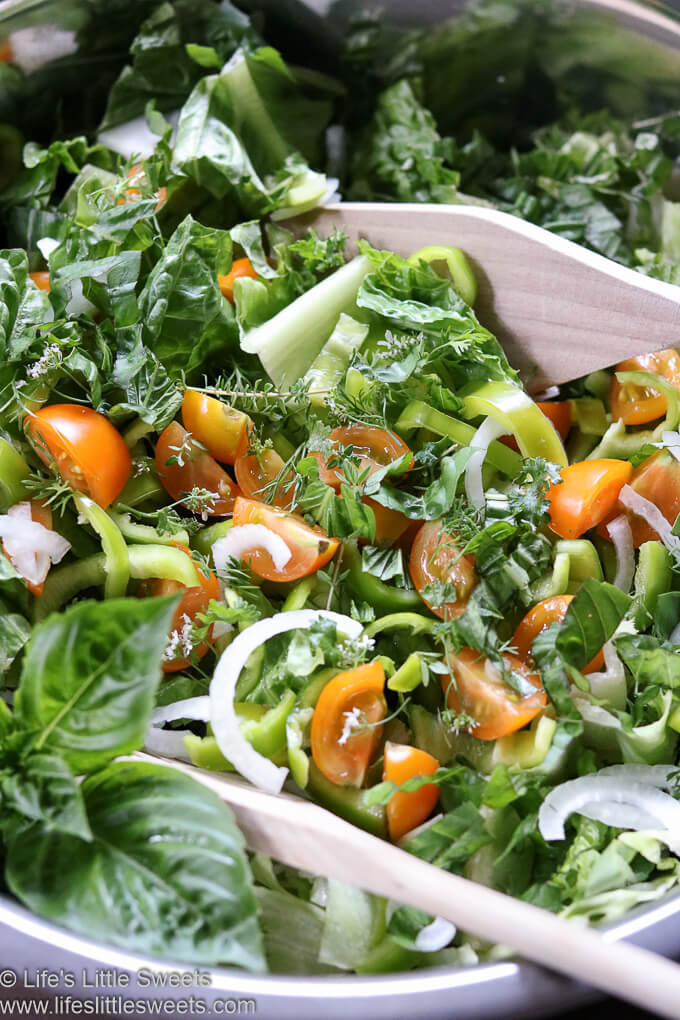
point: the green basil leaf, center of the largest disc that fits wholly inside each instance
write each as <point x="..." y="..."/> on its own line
<point x="650" y="661"/>
<point x="89" y="678"/>
<point x="165" y="874"/>
<point x="43" y="789"/>
<point x="15" y="631"/>
<point x="22" y="305"/>
<point x="592" y="617"/>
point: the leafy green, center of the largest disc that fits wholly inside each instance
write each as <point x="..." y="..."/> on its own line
<point x="43" y="789"/>
<point x="89" y="677"/>
<point x="591" y="619"/>
<point x="165" y="873"/>
<point x="22" y="305"/>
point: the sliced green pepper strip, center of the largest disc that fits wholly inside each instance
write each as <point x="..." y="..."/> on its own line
<point x="512" y="408"/>
<point x="450" y="262"/>
<point x="113" y="544"/>
<point x="383" y="597"/>
<point x="297" y="729"/>
<point x="347" y="802"/>
<point x="13" y="470"/>
<point x="419" y="415"/>
<point x="263" y="728"/>
<point x="652" y="381"/>
<point x="584" y="562"/>
<point x="652" y="578"/>
<point x="414" y="622"/>
<point x="162" y="561"/>
<point x="526" y="748"/>
<point x="311" y="692"/>
<point x="204" y="540"/>
<point x="145" y="488"/>
<point x="64" y="583"/>
<point x="589" y="415"/>
<point x="143" y="534"/>
<point x="408" y="676"/>
<point x="136" y="431"/>
<point x="297" y="596"/>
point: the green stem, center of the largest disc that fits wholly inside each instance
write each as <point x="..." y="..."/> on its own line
<point x="64" y="583"/>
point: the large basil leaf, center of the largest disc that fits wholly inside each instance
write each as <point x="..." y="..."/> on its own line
<point x="165" y="874"/>
<point x="109" y="283"/>
<point x="147" y="390"/>
<point x="187" y="321"/>
<point x="22" y="305"/>
<point x="43" y="789"/>
<point x="89" y="678"/>
<point x="591" y="619"/>
<point x="650" y="661"/>
<point x="15" y="631"/>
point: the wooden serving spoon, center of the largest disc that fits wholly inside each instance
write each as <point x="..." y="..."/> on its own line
<point x="559" y="310"/>
<point x="303" y="835"/>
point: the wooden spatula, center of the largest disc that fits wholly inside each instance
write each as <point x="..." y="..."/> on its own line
<point x="559" y="311"/>
<point x="303" y="835"/>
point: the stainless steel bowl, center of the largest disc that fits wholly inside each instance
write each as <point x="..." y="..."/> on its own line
<point x="638" y="73"/>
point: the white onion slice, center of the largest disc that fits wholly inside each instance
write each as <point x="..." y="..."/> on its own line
<point x="46" y="246"/>
<point x="168" y="743"/>
<point x="244" y="538"/>
<point x="435" y="935"/>
<point x="620" y="532"/>
<point x="619" y="816"/>
<point x="577" y="796"/>
<point x="197" y="709"/>
<point x="135" y="137"/>
<point x="31" y="547"/>
<point x="223" y="719"/>
<point x="652" y="775"/>
<point x="650" y="513"/>
<point x="671" y="440"/>
<point x="609" y="684"/>
<point x="489" y="430"/>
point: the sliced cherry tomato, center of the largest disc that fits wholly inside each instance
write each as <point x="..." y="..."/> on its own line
<point x="587" y="494"/>
<point x="240" y="267"/>
<point x="406" y="810"/>
<point x="183" y="464"/>
<point x="346" y="726"/>
<point x="637" y="405"/>
<point x="435" y="557"/>
<point x="6" y="53"/>
<point x="477" y="687"/>
<point x="256" y="472"/>
<point x="136" y="176"/>
<point x="375" y="448"/>
<point x="195" y="601"/>
<point x="83" y="446"/>
<point x="41" y="514"/>
<point x="219" y="427"/>
<point x="41" y="280"/>
<point x="538" y="619"/>
<point x="559" y="413"/>
<point x="390" y="525"/>
<point x="658" y="480"/>
<point x="310" y="548"/>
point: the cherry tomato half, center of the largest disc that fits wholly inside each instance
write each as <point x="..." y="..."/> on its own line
<point x="637" y="405"/>
<point x="346" y="726"/>
<point x="6" y="53"/>
<point x="435" y="557"/>
<point x="183" y="464"/>
<point x="407" y="810"/>
<point x="310" y="548"/>
<point x="375" y="448"/>
<point x="390" y="525"/>
<point x="587" y="494"/>
<point x="538" y="619"/>
<point x="219" y="427"/>
<point x="41" y="280"/>
<point x="83" y="446"/>
<point x="559" y="413"/>
<point x="257" y="472"/>
<point x="658" y="480"/>
<point x="477" y="687"/>
<point x="240" y="267"/>
<point x="194" y="601"/>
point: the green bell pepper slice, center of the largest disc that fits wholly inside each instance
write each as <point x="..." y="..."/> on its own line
<point x="64" y="583"/>
<point x="408" y="676"/>
<point x="144" y="534"/>
<point x="263" y="728"/>
<point x="514" y="409"/>
<point x="526" y="748"/>
<point x="164" y="561"/>
<point x="298" y="595"/>
<point x="652" y="578"/>
<point x="347" y="802"/>
<point x="204" y="539"/>
<point x="13" y="470"/>
<point x="414" y="622"/>
<point x="113" y="544"/>
<point x="297" y="729"/>
<point x="419" y="415"/>
<point x="383" y="597"/>
<point x="451" y="262"/>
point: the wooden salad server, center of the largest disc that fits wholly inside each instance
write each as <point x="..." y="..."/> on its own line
<point x="303" y="835"/>
<point x="559" y="310"/>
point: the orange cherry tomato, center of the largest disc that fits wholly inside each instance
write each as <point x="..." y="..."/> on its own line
<point x="240" y="267"/>
<point x="255" y="473"/>
<point x="406" y="810"/>
<point x="6" y="53"/>
<point x="41" y="514"/>
<point x="219" y="427"/>
<point x="559" y="413"/>
<point x="346" y="726"/>
<point x="637" y="405"/>
<point x="83" y="446"/>
<point x="194" y="601"/>
<point x="658" y="480"/>
<point x="482" y="693"/>
<point x="41" y="280"/>
<point x="375" y="448"/>
<point x="310" y="548"/>
<point x="436" y="557"/>
<point x="538" y="619"/>
<point x="390" y="525"/>
<point x="587" y="494"/>
<point x="183" y="464"/>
